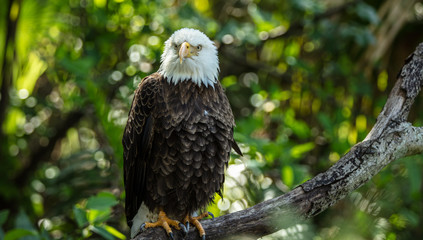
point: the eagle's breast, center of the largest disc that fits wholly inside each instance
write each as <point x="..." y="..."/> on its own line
<point x="191" y="145"/>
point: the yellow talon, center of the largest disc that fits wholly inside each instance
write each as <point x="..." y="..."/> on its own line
<point x="195" y="221"/>
<point x="164" y="222"/>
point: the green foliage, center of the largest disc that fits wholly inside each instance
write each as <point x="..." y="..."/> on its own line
<point x="23" y="228"/>
<point x="306" y="80"/>
<point x="18" y="234"/>
<point x="91" y="218"/>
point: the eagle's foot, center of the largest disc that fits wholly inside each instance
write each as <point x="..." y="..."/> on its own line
<point x="165" y="222"/>
<point x="195" y="221"/>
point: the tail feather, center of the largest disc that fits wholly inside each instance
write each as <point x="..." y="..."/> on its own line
<point x="236" y="148"/>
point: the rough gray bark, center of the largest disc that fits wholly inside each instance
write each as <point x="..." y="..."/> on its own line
<point x="391" y="138"/>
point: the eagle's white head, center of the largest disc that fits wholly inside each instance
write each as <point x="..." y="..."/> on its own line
<point x="190" y="55"/>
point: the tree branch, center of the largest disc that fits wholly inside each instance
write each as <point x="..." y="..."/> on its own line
<point x="391" y="138"/>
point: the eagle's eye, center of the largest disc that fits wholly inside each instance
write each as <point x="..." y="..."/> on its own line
<point x="175" y="46"/>
<point x="199" y="47"/>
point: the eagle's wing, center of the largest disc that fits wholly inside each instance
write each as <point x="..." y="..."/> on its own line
<point x="137" y="141"/>
<point x="225" y="116"/>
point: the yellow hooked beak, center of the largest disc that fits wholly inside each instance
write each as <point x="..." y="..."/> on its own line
<point x="184" y="51"/>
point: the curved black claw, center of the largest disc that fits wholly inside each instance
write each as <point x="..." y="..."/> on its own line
<point x="171" y="236"/>
<point x="184" y="229"/>
<point x="187" y="224"/>
<point x="203" y="237"/>
<point x="142" y="228"/>
<point x="211" y="214"/>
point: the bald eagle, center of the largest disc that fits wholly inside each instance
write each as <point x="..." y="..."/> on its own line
<point x="178" y="138"/>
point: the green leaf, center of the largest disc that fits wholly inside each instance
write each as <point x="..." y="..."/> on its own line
<point x="18" y="233"/>
<point x="229" y="80"/>
<point x="14" y="119"/>
<point x="414" y="178"/>
<point x="23" y="221"/>
<point x="325" y="121"/>
<point x="80" y="216"/>
<point x="288" y="175"/>
<point x="98" y="216"/>
<point x="31" y="72"/>
<point x="3" y="216"/>
<point x="299" y="127"/>
<point x="80" y="67"/>
<point x="102" y="201"/>
<point x="102" y="232"/>
<point x="298" y="150"/>
<point x="44" y="234"/>
<point x="114" y="232"/>
<point x="367" y="12"/>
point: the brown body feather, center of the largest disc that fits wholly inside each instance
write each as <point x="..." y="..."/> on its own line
<point x="177" y="143"/>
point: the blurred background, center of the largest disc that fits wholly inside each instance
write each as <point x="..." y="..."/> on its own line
<point x="306" y="80"/>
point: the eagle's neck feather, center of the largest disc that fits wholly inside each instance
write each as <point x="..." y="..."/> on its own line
<point x="177" y="74"/>
<point x="200" y="82"/>
<point x="203" y="70"/>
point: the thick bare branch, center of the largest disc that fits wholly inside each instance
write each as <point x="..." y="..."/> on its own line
<point x="391" y="138"/>
<point x="401" y="98"/>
